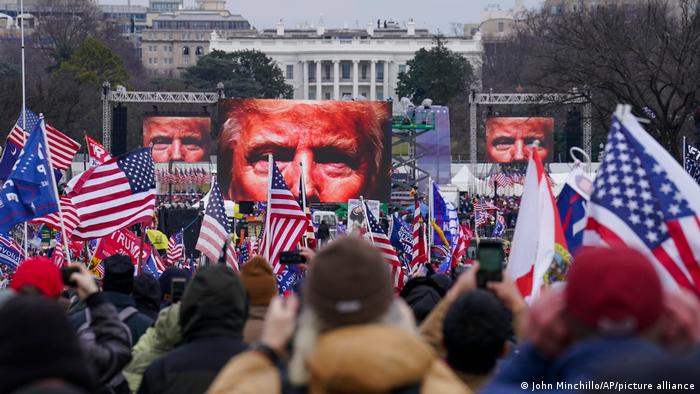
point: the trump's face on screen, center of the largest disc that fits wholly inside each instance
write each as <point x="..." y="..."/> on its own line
<point x="339" y="146"/>
<point x="508" y="138"/>
<point x="177" y="138"/>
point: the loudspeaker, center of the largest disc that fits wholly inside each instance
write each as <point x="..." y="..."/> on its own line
<point x="245" y="207"/>
<point x="119" y="130"/>
<point x="573" y="131"/>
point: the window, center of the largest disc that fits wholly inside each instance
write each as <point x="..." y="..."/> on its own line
<point x="290" y="71"/>
<point x="380" y="95"/>
<point x="500" y="27"/>
<point x="186" y="61"/>
<point x="402" y="68"/>
<point x="345" y="70"/>
<point x="199" y="51"/>
<point x="327" y="71"/>
<point x="185" y="51"/>
<point x="312" y="95"/>
<point x="312" y="71"/>
<point x="380" y="72"/>
<point x="328" y="95"/>
<point x="364" y="71"/>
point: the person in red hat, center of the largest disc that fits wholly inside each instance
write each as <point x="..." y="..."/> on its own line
<point x="611" y="311"/>
<point x="38" y="275"/>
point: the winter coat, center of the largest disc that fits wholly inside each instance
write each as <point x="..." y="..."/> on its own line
<point x="580" y="362"/>
<point x="253" y="326"/>
<point x="370" y="358"/>
<point x="109" y="351"/>
<point x="138" y="323"/>
<point x="213" y="311"/>
<point x="158" y="340"/>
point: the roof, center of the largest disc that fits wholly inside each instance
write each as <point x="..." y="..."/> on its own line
<point x="345" y="33"/>
<point x="123" y="9"/>
<point x="199" y="16"/>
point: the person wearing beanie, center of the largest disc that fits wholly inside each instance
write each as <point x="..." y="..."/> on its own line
<point x="261" y="285"/>
<point x="118" y="286"/>
<point x="609" y="313"/>
<point x="147" y="295"/>
<point x="37" y="275"/>
<point x="353" y="335"/>
<point x="212" y="314"/>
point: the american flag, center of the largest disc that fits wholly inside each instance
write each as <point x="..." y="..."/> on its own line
<point x="502" y="179"/>
<point x="215" y="228"/>
<point x="62" y="148"/>
<point x="418" y="253"/>
<point x="70" y="217"/>
<point x="176" y="248"/>
<point x="231" y="255"/>
<point x="287" y="221"/>
<point x="643" y="198"/>
<point x="459" y="249"/>
<point x="481" y="216"/>
<point x="380" y="240"/>
<point x="58" y="257"/>
<point x="116" y="194"/>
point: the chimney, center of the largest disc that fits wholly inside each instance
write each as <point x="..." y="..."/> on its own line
<point x="370" y="28"/>
<point x="411" y="27"/>
<point x="280" y="28"/>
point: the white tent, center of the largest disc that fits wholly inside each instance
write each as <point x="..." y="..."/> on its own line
<point x="464" y="179"/>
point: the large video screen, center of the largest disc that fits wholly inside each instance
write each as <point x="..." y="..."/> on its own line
<point x="344" y="146"/>
<point x="178" y="138"/>
<point x="507" y="138"/>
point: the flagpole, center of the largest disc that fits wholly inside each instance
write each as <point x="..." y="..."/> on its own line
<point x="270" y="163"/>
<point x="685" y="162"/>
<point x="52" y="179"/>
<point x="182" y="231"/>
<point x="303" y="199"/>
<point x="369" y="229"/>
<point x="24" y="106"/>
<point x="430" y="211"/>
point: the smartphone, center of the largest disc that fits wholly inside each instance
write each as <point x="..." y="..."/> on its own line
<point x="491" y="257"/>
<point x="66" y="273"/>
<point x="177" y="288"/>
<point x="292" y="257"/>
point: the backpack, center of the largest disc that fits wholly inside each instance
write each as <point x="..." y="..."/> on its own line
<point x="86" y="333"/>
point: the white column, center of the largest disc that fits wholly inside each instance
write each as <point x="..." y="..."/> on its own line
<point x="305" y="78"/>
<point x="386" y="80"/>
<point x="373" y="80"/>
<point x="355" y="78"/>
<point x="319" y="87"/>
<point x="336" y="79"/>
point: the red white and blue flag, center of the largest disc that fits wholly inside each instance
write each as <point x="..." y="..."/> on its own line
<point x="287" y="221"/>
<point x="62" y="147"/>
<point x="116" y="194"/>
<point x="644" y="199"/>
<point x="380" y="241"/>
<point x="419" y="244"/>
<point x="215" y="228"/>
<point x="231" y="255"/>
<point x="176" y="248"/>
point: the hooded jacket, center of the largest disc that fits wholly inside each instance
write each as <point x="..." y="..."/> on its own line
<point x="212" y="314"/>
<point x="371" y="358"/>
<point x="158" y="340"/>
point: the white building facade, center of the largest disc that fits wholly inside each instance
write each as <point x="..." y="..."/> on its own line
<point x="323" y="64"/>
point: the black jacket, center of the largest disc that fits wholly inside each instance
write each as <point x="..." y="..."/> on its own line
<point x="212" y="314"/>
<point x="138" y="323"/>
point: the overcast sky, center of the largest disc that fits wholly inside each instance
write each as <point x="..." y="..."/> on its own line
<point x="430" y="14"/>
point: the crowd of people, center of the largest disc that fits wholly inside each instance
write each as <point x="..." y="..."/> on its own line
<point x="346" y="331"/>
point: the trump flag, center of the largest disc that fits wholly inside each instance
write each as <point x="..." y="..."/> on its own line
<point x="644" y="199"/>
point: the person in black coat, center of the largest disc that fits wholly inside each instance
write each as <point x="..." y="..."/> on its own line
<point x="118" y="286"/>
<point x="213" y="312"/>
<point x="323" y="233"/>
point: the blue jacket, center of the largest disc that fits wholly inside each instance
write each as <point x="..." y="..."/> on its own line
<point x="528" y="370"/>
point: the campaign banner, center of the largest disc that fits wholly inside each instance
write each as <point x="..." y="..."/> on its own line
<point x="10" y="252"/>
<point x="122" y="242"/>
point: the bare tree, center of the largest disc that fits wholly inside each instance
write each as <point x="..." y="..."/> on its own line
<point x="645" y="54"/>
